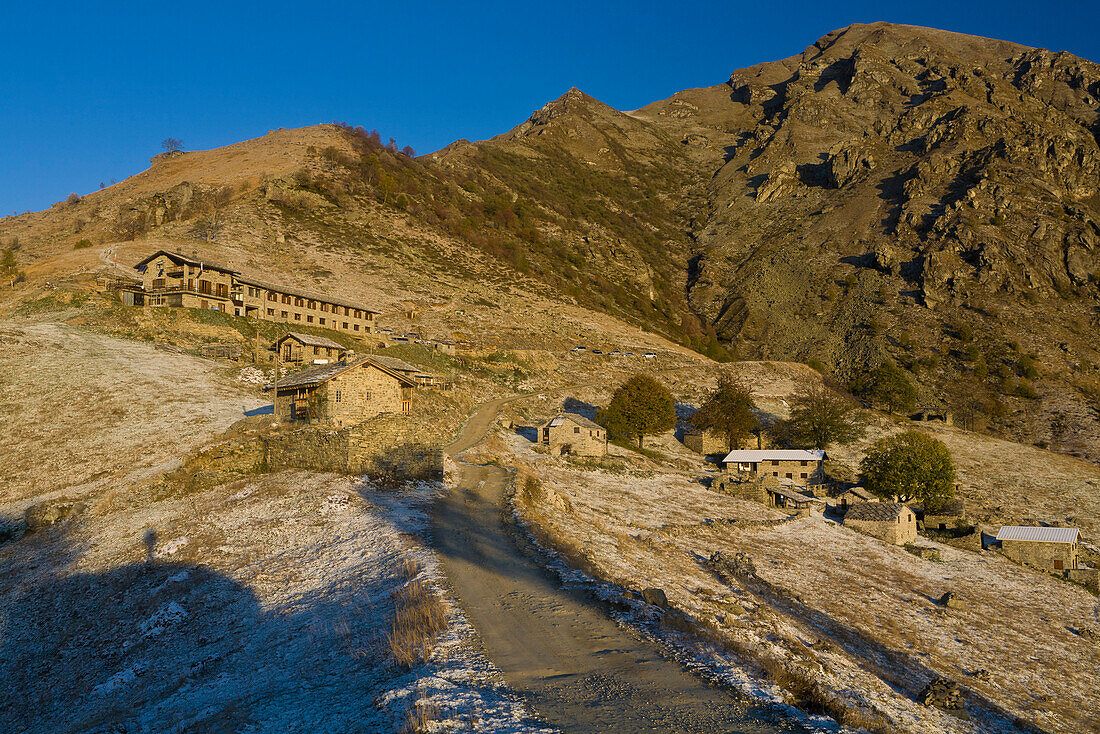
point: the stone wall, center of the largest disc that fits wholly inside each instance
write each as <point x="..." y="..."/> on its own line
<point x="1041" y="555"/>
<point x="890" y="531"/>
<point x="753" y="491"/>
<point x="1087" y="577"/>
<point x="576" y="439"/>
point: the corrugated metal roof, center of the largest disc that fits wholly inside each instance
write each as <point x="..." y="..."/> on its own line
<point x="1038" y="534"/>
<point x="756" y="456"/>
<point x="555" y="422"/>
<point x="580" y="420"/>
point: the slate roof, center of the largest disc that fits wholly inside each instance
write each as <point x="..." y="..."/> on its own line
<point x="185" y="259"/>
<point x="323" y="373"/>
<point x="792" y="494"/>
<point x="875" y="511"/>
<point x="575" y="417"/>
<point x="310" y="340"/>
<point x="395" y="363"/>
<point x="757" y="455"/>
<point x="1038" y="534"/>
<point x="860" y="492"/>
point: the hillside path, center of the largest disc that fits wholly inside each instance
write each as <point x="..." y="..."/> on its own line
<point x="576" y="667"/>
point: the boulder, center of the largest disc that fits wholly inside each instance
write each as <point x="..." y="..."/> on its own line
<point x="952" y="601"/>
<point x="943" y="693"/>
<point x="656" y="597"/>
<point x="51" y="512"/>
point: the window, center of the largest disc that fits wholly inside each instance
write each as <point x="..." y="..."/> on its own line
<point x="270" y="312"/>
<point x="345" y="324"/>
<point x="803" y="463"/>
<point x="322" y="320"/>
<point x="298" y="301"/>
<point x="355" y="326"/>
<point x="223" y="290"/>
<point x="297" y="317"/>
<point x="775" y="474"/>
<point x="309" y="319"/>
<point x="313" y="305"/>
<point x="366" y="395"/>
<point x="317" y="350"/>
<point x="205" y="286"/>
<point x="576" y="429"/>
<point x="286" y="299"/>
<point x="790" y="476"/>
<point x="358" y="314"/>
<point x="324" y="307"/>
<point x="337" y="396"/>
<point x="271" y="296"/>
<point x="775" y="463"/>
<point x="158" y="282"/>
<point x="803" y="475"/>
<point x="284" y="314"/>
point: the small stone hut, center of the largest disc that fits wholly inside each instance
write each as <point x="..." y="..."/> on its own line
<point x="297" y="348"/>
<point x="1049" y="549"/>
<point x="946" y="517"/>
<point x="853" y="496"/>
<point x="342" y="394"/>
<point x="571" y="433"/>
<point x="706" y="442"/>
<point x="892" y="522"/>
<point x="802" y="466"/>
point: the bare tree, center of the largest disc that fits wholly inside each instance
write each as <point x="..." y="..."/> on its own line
<point x="171" y="145"/>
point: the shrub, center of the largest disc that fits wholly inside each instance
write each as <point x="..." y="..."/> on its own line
<point x="73" y="198"/>
<point x="419" y="617"/>
<point x="82" y="244"/>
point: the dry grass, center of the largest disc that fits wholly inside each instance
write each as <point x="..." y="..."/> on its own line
<point x="419" y="718"/>
<point x="419" y="617"/>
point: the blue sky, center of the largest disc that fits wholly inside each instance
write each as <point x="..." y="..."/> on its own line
<point x="88" y="90"/>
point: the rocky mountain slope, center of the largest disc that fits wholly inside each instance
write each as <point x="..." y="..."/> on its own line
<point x="892" y="192"/>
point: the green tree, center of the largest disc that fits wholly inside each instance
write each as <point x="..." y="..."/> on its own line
<point x="888" y="385"/>
<point x="641" y="406"/>
<point x="911" y="466"/>
<point x="821" y="417"/>
<point x="728" y="411"/>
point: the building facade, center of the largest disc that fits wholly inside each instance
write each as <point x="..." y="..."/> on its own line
<point x="1050" y="549"/>
<point x="892" y="522"/>
<point x="570" y="433"/>
<point x="342" y="394"/>
<point x="295" y="348"/>
<point x="801" y="466"/>
<point x="175" y="280"/>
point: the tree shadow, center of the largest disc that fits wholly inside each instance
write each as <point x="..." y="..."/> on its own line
<point x="573" y="405"/>
<point x="262" y="410"/>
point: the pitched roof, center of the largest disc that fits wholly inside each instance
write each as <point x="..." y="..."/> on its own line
<point x="180" y="257"/>
<point x="323" y="373"/>
<point x="1038" y="534"/>
<point x="395" y="363"/>
<point x="300" y="293"/>
<point x="878" y="511"/>
<point x="858" y="492"/>
<point x="577" y="418"/>
<point x="310" y="340"/>
<point x="756" y="456"/>
<point x="792" y="494"/>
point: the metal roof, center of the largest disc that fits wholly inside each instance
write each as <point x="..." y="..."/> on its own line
<point x="756" y="456"/>
<point x="1038" y="534"/>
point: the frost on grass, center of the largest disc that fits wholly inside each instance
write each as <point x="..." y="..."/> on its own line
<point x="273" y="616"/>
<point x="848" y="604"/>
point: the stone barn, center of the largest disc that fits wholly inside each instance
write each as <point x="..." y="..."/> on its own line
<point x="946" y="517"/>
<point x="295" y="348"/>
<point x="570" y="433"/>
<point x="801" y="466"/>
<point x="1049" y="549"/>
<point x="342" y="394"/>
<point x="892" y="522"/>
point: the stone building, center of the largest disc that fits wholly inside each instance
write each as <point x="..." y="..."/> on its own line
<point x="570" y="433"/>
<point x="296" y="348"/>
<point x="342" y="394"/>
<point x="1049" y="549"/>
<point x="802" y="466"/>
<point x="422" y="378"/>
<point x="172" y="279"/>
<point x="706" y="442"/>
<point x="854" y="495"/>
<point x="947" y="517"/>
<point x="892" y="522"/>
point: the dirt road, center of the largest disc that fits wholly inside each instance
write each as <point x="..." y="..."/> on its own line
<point x="577" y="668"/>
